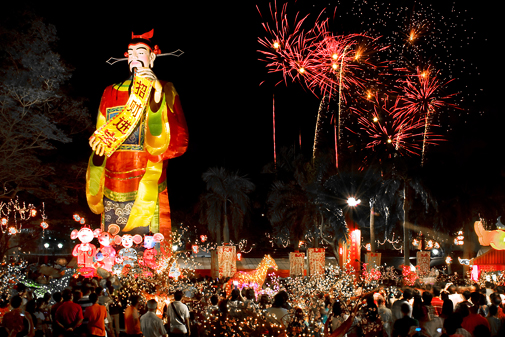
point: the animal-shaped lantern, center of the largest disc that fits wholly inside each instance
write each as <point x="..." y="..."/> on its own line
<point x="127" y="255"/>
<point x="254" y="278"/>
<point x="149" y="252"/>
<point x="495" y="238"/>
<point x="107" y="251"/>
<point x="84" y="251"/>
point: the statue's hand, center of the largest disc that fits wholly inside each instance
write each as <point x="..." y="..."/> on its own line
<point x="148" y="73"/>
<point x="97" y="146"/>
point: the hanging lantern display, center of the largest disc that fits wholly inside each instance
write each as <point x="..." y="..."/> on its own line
<point x="429" y="244"/>
<point x="448" y="260"/>
<point x="203" y="238"/>
<point x="239" y="256"/>
<point x="195" y="249"/>
<point x="4" y="221"/>
<point x="460" y="239"/>
<point x="368" y="247"/>
<point x="415" y="242"/>
<point x="33" y="212"/>
<point x="44" y="225"/>
<point x="12" y="230"/>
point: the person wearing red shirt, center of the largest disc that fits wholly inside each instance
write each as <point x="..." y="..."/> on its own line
<point x="474" y="319"/>
<point x="132" y="318"/>
<point x="68" y="316"/>
<point x="436" y="301"/>
<point x="95" y="315"/>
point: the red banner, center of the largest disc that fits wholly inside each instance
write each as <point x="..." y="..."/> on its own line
<point x="296" y="264"/>
<point x="223" y="262"/>
<point x="316" y="261"/>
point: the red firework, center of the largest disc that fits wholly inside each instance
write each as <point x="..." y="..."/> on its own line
<point x="388" y="128"/>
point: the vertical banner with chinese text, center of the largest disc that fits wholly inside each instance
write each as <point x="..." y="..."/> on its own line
<point x="372" y="260"/>
<point x="423" y="263"/>
<point x="296" y="264"/>
<point x="316" y="261"/>
<point x="355" y="249"/>
<point x="223" y="262"/>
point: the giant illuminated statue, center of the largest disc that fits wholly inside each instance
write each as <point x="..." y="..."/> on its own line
<point x="140" y="125"/>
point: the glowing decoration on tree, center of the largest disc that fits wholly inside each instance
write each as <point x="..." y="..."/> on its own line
<point x="254" y="279"/>
<point x="14" y="213"/>
<point x="448" y="260"/>
<point x="137" y="131"/>
<point x="203" y="238"/>
<point x="195" y="249"/>
<point x="84" y="251"/>
<point x="460" y="239"/>
<point x="239" y="256"/>
<point x="495" y="238"/>
<point x="44" y="225"/>
<point x="174" y="271"/>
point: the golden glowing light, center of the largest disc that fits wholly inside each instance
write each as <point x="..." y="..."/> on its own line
<point x="357" y="55"/>
<point x="375" y="119"/>
<point x="276" y="45"/>
<point x="334" y="66"/>
<point x="33" y="212"/>
<point x="369" y="94"/>
<point x="389" y="140"/>
<point x="301" y="70"/>
<point x="335" y="56"/>
<point x="412" y="35"/>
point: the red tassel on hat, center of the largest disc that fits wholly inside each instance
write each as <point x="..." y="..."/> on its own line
<point x="145" y="36"/>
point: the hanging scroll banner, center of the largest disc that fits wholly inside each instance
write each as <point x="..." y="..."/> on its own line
<point x="113" y="133"/>
<point x="296" y="264"/>
<point x="223" y="262"/>
<point x="316" y="261"/>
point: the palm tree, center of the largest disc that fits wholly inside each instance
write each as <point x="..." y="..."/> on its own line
<point x="226" y="197"/>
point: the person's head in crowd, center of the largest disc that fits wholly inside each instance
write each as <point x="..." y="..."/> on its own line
<point x="223" y="307"/>
<point x="67" y="295"/>
<point x="436" y="291"/>
<point x="134" y="300"/>
<point x="337" y="308"/>
<point x="57" y="297"/>
<point x="86" y="290"/>
<point x="418" y="310"/>
<point x="31" y="306"/>
<point x="447" y="308"/>
<point x="235" y="295"/>
<point x="493" y="310"/>
<point x="77" y="296"/>
<point x="466" y="295"/>
<point x="152" y="305"/>
<point x="250" y="295"/>
<point x="405" y="309"/>
<point x="452" y="289"/>
<point x="380" y="301"/>
<point x="407" y="294"/>
<point x="475" y="298"/>
<point x="178" y="295"/>
<point x="214" y="299"/>
<point x="444" y="295"/>
<point x="463" y="310"/>
<point x="16" y="301"/>
<point x="93" y="298"/>
<point x="500" y="290"/>
<point x="482" y="331"/>
<point x="427" y="297"/>
<point x="278" y="300"/>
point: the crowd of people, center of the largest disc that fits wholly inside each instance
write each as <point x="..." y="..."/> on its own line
<point x="91" y="308"/>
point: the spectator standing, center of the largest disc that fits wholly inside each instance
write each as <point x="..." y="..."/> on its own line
<point x="132" y="317"/>
<point x="437" y="301"/>
<point x="13" y="320"/>
<point x="95" y="315"/>
<point x="396" y="309"/>
<point x="494" y="322"/>
<point x="277" y="313"/>
<point x="68" y="317"/>
<point x="212" y="309"/>
<point x="386" y="316"/>
<point x="150" y="324"/>
<point x="178" y="313"/>
<point x="402" y="326"/>
<point x="473" y="318"/>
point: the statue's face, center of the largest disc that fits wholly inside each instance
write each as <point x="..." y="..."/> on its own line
<point x="139" y="55"/>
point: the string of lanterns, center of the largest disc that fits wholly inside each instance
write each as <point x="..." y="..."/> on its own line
<point x="14" y="213"/>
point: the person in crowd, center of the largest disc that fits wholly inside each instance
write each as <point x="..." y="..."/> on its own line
<point x="13" y="320"/>
<point x="437" y="301"/>
<point x="150" y="324"/>
<point x="68" y="317"/>
<point x="494" y="322"/>
<point x="386" y="316"/>
<point x="454" y="296"/>
<point x="473" y="318"/>
<point x="235" y="303"/>
<point x="402" y="326"/>
<point x="373" y="326"/>
<point x="396" y="309"/>
<point x="178" y="313"/>
<point x="277" y="314"/>
<point x="338" y="316"/>
<point x="212" y="309"/>
<point x="481" y="331"/>
<point x="249" y="304"/>
<point x="132" y="317"/>
<point x="95" y="315"/>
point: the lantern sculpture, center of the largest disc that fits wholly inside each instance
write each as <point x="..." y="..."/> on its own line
<point x="150" y="253"/>
<point x="84" y="251"/>
<point x="108" y="252"/>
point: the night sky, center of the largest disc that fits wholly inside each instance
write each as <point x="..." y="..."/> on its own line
<point x="229" y="114"/>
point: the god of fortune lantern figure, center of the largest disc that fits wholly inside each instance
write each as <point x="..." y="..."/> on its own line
<point x="149" y="252"/>
<point x="84" y="251"/>
<point x="140" y="126"/>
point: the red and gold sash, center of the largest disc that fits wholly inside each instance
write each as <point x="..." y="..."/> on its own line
<point x="113" y="133"/>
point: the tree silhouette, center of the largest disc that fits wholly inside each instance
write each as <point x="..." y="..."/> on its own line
<point x="227" y="198"/>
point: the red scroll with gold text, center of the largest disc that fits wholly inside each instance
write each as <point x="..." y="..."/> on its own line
<point x="118" y="129"/>
<point x="316" y="261"/>
<point x="296" y="264"/>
